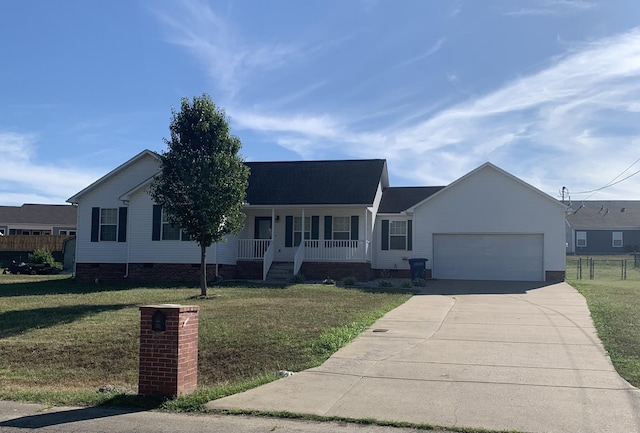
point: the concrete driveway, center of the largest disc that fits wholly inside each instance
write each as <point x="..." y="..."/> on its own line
<point x="495" y="355"/>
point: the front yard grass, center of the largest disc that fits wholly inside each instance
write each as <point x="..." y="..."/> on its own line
<point x="615" y="309"/>
<point x="61" y="340"/>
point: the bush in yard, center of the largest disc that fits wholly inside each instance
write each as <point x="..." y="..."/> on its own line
<point x="419" y="282"/>
<point x="350" y="281"/>
<point x="385" y="283"/>
<point x="42" y="256"/>
<point x="298" y="279"/>
<point x="329" y="282"/>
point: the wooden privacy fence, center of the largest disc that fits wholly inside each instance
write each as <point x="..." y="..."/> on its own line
<point x="32" y="242"/>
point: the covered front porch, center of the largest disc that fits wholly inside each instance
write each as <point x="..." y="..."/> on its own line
<point x="294" y="236"/>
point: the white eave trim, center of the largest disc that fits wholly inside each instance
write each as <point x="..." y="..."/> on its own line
<point x="499" y="170"/>
<point x="146" y="152"/>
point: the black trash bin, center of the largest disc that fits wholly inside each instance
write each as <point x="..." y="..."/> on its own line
<point x="418" y="266"/>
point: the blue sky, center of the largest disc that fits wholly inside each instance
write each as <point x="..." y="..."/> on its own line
<point x="548" y="90"/>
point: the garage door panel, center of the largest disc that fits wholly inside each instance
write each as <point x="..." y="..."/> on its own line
<point x="517" y="257"/>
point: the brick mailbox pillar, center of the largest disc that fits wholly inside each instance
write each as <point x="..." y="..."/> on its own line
<point x="168" y="350"/>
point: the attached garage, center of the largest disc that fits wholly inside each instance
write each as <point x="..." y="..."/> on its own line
<point x="476" y="256"/>
<point x="490" y="225"/>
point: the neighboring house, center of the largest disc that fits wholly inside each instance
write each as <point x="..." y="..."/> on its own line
<point x="328" y="219"/>
<point x="38" y="219"/>
<point x="603" y="227"/>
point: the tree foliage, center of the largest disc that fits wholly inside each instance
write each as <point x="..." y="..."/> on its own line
<point x="203" y="180"/>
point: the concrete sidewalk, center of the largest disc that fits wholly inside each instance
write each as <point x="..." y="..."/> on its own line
<point x="468" y="354"/>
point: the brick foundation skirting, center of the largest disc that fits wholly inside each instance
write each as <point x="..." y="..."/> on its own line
<point x="554" y="275"/>
<point x="337" y="271"/>
<point x="149" y="272"/>
<point x="246" y="270"/>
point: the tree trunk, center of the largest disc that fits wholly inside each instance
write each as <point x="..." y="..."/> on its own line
<point x="203" y="270"/>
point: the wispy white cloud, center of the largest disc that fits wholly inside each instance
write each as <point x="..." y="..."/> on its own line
<point x="574" y="122"/>
<point x="546" y="127"/>
<point x="552" y="8"/>
<point x="428" y="53"/>
<point x="22" y="180"/>
<point x="229" y="59"/>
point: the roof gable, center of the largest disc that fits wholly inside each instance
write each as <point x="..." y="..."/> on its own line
<point x="489" y="166"/>
<point x="338" y="182"/>
<point x="114" y="172"/>
<point x="605" y="214"/>
<point x="399" y="199"/>
<point x="53" y="214"/>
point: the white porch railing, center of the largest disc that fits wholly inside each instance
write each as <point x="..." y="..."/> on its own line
<point x="253" y="249"/>
<point x="335" y="251"/>
<point x="298" y="258"/>
<point x="268" y="260"/>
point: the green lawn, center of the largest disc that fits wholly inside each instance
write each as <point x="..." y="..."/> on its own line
<point x="61" y="340"/>
<point x="609" y="267"/>
<point x="615" y="308"/>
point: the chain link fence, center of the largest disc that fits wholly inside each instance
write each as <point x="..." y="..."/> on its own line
<point x="604" y="267"/>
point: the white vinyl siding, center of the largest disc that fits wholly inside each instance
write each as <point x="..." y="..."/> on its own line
<point x="284" y="254"/>
<point x="105" y="195"/>
<point x="144" y="250"/>
<point x="476" y="205"/>
<point x="390" y="258"/>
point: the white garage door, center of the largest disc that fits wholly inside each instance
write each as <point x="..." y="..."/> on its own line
<point x="512" y="257"/>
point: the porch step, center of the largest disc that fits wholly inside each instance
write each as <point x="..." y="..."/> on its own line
<point x="280" y="272"/>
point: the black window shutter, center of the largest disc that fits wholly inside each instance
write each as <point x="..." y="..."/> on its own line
<point x="122" y="224"/>
<point x="410" y="235"/>
<point x="328" y="227"/>
<point x="157" y="222"/>
<point x="315" y="227"/>
<point x="288" y="228"/>
<point x="354" y="227"/>
<point x="385" y="235"/>
<point x="95" y="224"/>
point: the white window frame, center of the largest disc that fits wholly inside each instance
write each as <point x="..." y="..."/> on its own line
<point x="297" y="229"/>
<point x="342" y="228"/>
<point x="398" y="230"/>
<point x="108" y="218"/>
<point x="617" y="239"/>
<point x="167" y="229"/>
<point x="581" y="239"/>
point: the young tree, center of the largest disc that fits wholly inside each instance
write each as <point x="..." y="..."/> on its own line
<point x="202" y="183"/>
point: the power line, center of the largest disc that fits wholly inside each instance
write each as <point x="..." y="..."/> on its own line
<point x="608" y="185"/>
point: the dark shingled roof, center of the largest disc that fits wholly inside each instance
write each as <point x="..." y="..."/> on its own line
<point x="52" y="214"/>
<point x="398" y="199"/>
<point x="314" y="182"/>
<point x="604" y="214"/>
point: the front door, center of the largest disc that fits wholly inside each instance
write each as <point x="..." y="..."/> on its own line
<point x="263" y="228"/>
<point x="262" y="233"/>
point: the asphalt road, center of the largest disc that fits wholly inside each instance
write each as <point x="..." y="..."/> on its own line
<point x="19" y="417"/>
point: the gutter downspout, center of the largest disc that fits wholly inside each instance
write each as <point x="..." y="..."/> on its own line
<point x="75" y="253"/>
<point x="126" y="272"/>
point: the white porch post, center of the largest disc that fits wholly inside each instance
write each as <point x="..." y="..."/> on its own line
<point x="366" y="234"/>
<point x="273" y="222"/>
<point x="303" y="228"/>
